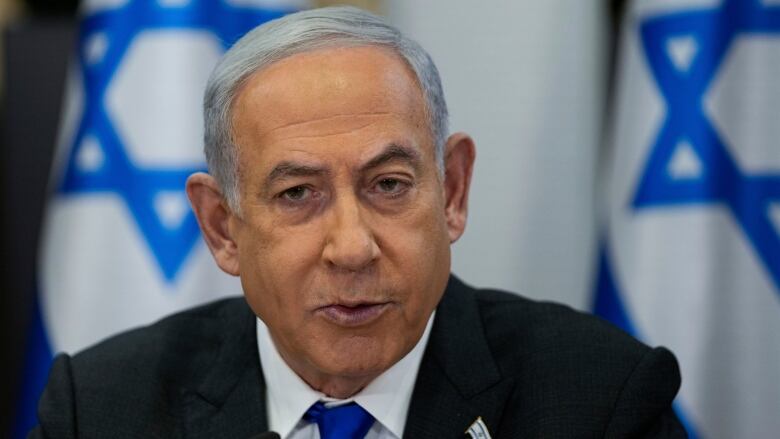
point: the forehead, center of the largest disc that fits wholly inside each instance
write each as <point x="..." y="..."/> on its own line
<point x="334" y="89"/>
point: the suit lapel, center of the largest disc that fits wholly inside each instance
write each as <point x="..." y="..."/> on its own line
<point x="230" y="400"/>
<point x="458" y="379"/>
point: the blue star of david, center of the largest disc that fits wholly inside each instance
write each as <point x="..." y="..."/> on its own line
<point x="138" y="186"/>
<point x="747" y="196"/>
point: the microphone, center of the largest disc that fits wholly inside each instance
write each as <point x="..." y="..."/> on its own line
<point x="267" y="435"/>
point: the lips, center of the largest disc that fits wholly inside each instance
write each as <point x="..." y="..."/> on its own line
<point x="353" y="314"/>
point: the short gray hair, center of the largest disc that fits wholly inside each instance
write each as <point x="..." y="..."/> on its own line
<point x="293" y="34"/>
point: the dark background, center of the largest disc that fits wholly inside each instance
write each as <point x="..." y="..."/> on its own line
<point x="35" y="56"/>
<point x="36" y="49"/>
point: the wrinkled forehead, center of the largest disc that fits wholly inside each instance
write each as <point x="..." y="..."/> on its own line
<point x="329" y="82"/>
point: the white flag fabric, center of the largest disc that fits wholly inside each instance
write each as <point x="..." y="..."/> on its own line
<point x="691" y="255"/>
<point x="120" y="245"/>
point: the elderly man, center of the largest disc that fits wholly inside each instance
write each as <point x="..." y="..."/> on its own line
<point x="335" y="193"/>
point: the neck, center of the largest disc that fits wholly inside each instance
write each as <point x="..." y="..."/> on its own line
<point x="340" y="388"/>
<point x="334" y="386"/>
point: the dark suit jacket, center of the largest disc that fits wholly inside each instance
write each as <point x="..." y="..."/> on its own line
<point x="530" y="370"/>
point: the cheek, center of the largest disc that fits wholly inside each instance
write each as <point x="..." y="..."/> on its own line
<point x="418" y="248"/>
<point x="275" y="269"/>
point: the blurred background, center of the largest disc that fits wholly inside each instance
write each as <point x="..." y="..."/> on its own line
<point x="627" y="164"/>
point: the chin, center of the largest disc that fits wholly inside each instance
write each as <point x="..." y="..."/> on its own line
<point x="358" y="357"/>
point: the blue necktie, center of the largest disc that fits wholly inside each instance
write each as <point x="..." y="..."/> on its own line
<point x="348" y="421"/>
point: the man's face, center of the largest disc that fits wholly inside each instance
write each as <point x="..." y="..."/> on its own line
<point x="342" y="242"/>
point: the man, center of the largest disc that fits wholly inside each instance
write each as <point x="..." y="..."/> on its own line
<point x="335" y="194"/>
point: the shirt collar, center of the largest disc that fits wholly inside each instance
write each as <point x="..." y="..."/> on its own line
<point x="387" y="397"/>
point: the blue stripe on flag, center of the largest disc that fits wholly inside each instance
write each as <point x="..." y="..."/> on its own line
<point x="37" y="361"/>
<point x="609" y="305"/>
<point x="138" y="186"/>
<point x="692" y="433"/>
<point x="723" y="181"/>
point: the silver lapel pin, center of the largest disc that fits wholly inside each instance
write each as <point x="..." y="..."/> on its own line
<point x="478" y="430"/>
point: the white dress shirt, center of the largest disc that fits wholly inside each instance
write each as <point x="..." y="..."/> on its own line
<point x="386" y="398"/>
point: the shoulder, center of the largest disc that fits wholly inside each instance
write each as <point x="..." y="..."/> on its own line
<point x="571" y="343"/>
<point x="136" y="378"/>
<point x="537" y="326"/>
<point x="175" y="339"/>
<point x="517" y="326"/>
<point x="573" y="368"/>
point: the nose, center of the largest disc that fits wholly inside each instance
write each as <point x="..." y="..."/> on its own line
<point x="350" y="243"/>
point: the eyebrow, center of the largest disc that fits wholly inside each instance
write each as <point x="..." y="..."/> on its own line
<point x="292" y="169"/>
<point x="394" y="153"/>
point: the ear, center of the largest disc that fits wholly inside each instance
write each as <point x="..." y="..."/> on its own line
<point x="459" y="155"/>
<point x="213" y="217"/>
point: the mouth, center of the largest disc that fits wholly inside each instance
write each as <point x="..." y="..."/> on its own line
<point x="352" y="315"/>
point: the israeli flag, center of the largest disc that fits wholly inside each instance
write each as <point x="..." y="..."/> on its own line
<point x="691" y="255"/>
<point x="121" y="247"/>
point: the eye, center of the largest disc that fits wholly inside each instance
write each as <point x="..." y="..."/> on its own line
<point x="388" y="185"/>
<point x="297" y="193"/>
<point x="391" y="187"/>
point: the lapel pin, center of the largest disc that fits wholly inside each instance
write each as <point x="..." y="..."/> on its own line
<point x="478" y="430"/>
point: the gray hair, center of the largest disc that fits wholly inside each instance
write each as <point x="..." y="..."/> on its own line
<point x="293" y="34"/>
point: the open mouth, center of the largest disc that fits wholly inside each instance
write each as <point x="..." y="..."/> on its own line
<point x="353" y="315"/>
